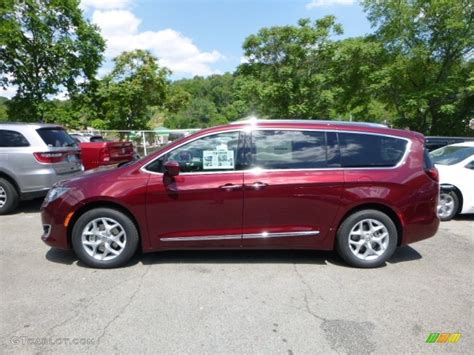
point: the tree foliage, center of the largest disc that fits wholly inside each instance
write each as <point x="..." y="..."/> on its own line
<point x="429" y="70"/>
<point x="416" y="70"/>
<point x="126" y="94"/>
<point x="287" y="69"/>
<point x="45" y="47"/>
<point x="210" y="101"/>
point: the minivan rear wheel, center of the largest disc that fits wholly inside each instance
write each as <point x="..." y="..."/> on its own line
<point x="367" y="238"/>
<point x="8" y="197"/>
<point x="104" y="238"/>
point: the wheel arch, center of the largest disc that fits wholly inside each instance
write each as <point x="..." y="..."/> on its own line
<point x="11" y="180"/>
<point x="102" y="204"/>
<point x="390" y="212"/>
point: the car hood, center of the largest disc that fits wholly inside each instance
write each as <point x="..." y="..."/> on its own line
<point x="100" y="173"/>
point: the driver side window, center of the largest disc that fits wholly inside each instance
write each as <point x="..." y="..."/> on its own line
<point x="217" y="152"/>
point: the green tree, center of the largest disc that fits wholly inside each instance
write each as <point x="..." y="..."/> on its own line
<point x="210" y="101"/>
<point x="135" y="84"/>
<point x="3" y="109"/>
<point x="352" y="73"/>
<point x="287" y="71"/>
<point x="45" y="47"/>
<point x="428" y="75"/>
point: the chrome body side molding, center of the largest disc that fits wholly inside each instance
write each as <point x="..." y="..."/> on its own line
<point x="244" y="236"/>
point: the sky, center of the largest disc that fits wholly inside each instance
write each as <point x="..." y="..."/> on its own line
<point x="204" y="37"/>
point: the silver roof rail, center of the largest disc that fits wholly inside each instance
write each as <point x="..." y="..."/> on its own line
<point x="311" y="121"/>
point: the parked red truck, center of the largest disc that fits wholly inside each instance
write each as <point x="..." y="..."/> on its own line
<point x="96" y="151"/>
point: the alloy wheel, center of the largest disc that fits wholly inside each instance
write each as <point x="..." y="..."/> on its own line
<point x="445" y="205"/>
<point x="3" y="197"/>
<point x="104" y="238"/>
<point x="368" y="239"/>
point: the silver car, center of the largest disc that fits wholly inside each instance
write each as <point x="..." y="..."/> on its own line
<point x="32" y="158"/>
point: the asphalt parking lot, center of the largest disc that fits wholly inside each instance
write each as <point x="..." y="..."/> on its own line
<point x="282" y="302"/>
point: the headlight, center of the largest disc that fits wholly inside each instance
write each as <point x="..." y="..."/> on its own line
<point x="55" y="193"/>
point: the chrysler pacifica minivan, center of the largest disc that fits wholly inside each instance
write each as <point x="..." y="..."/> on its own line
<point x="360" y="189"/>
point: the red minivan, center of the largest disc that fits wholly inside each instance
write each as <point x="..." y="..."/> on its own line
<point x="359" y="188"/>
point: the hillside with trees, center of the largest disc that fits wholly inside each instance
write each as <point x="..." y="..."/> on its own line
<point x="415" y="71"/>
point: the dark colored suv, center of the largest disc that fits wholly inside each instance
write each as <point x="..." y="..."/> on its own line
<point x="361" y="189"/>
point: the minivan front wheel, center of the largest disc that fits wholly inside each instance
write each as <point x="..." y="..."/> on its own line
<point x="8" y="197"/>
<point x="367" y="238"/>
<point x="104" y="238"/>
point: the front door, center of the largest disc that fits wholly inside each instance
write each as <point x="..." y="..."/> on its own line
<point x="292" y="190"/>
<point x="202" y="206"/>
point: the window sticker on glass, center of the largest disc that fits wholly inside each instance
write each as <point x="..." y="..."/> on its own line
<point x="218" y="159"/>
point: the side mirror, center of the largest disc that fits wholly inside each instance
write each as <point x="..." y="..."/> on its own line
<point x="172" y="168"/>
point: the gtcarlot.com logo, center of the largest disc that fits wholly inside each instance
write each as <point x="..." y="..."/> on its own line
<point x="24" y="340"/>
<point x="443" y="338"/>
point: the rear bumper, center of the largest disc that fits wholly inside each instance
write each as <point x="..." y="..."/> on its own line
<point x="420" y="230"/>
<point x="43" y="181"/>
<point x="34" y="194"/>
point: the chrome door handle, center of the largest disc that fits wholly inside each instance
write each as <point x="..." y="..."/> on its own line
<point x="230" y="187"/>
<point x="257" y="185"/>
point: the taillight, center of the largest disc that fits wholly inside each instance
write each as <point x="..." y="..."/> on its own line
<point x="104" y="155"/>
<point x="50" y="157"/>
<point x="429" y="167"/>
<point x="433" y="173"/>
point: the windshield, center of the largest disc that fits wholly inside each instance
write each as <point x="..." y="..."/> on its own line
<point x="451" y="155"/>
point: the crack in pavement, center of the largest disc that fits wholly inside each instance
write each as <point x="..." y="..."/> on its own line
<point x="122" y="310"/>
<point x="342" y="335"/>
<point x="79" y="307"/>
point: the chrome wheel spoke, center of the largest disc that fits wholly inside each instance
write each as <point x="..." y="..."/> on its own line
<point x="357" y="245"/>
<point x="379" y="238"/>
<point x="445" y="205"/>
<point x="111" y="250"/>
<point x="3" y="197"/>
<point x="104" y="253"/>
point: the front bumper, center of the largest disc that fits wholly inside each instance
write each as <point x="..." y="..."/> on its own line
<point x="53" y="218"/>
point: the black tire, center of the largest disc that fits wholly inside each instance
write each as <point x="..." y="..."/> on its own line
<point x="343" y="235"/>
<point x="450" y="214"/>
<point x="9" y="196"/>
<point x="131" y="241"/>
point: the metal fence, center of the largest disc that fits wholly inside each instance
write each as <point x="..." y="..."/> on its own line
<point x="145" y="142"/>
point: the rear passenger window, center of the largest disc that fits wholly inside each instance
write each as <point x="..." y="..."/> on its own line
<point x="288" y="150"/>
<point x="12" y="139"/>
<point x="56" y="137"/>
<point x="367" y="150"/>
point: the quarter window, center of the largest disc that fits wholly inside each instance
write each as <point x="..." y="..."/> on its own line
<point x="368" y="150"/>
<point x="12" y="139"/>
<point x="288" y="149"/>
<point x="218" y="152"/>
